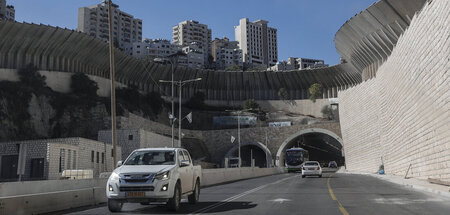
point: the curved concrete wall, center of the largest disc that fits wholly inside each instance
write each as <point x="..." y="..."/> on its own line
<point x="63" y="50"/>
<point x="368" y="38"/>
<point x="397" y="130"/>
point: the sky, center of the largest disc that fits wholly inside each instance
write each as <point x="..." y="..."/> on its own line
<point x="306" y="28"/>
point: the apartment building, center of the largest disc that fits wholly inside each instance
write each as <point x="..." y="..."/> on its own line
<point x="7" y="12"/>
<point x="195" y="55"/>
<point x="226" y="53"/>
<point x="258" y="42"/>
<point x="153" y="48"/>
<point x="306" y="63"/>
<point x="93" y="20"/>
<point x="191" y="31"/>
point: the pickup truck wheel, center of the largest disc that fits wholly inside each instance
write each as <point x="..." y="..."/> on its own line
<point x="174" y="202"/>
<point x="193" y="198"/>
<point x="114" y="205"/>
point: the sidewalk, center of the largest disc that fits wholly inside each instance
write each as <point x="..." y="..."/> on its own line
<point x="417" y="184"/>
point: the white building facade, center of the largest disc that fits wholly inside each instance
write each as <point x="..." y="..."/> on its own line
<point x="226" y="53"/>
<point x="195" y="56"/>
<point x="258" y="42"/>
<point x="7" y="12"/>
<point x="150" y="49"/>
<point x="305" y="63"/>
<point x="191" y="31"/>
<point x="93" y="20"/>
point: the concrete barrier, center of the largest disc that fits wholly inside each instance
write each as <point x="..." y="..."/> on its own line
<point x="36" y="197"/>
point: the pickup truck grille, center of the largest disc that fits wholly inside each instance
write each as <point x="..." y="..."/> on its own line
<point x="136" y="178"/>
<point x="137" y="188"/>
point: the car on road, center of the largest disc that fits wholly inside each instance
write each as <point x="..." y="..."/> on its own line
<point x="332" y="164"/>
<point x="311" y="168"/>
<point x="154" y="175"/>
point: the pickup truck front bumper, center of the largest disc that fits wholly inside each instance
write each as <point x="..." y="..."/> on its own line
<point x="154" y="191"/>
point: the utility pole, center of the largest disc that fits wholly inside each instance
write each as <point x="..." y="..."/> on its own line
<point x="113" y="88"/>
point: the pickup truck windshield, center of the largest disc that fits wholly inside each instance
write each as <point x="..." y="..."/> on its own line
<point x="151" y="158"/>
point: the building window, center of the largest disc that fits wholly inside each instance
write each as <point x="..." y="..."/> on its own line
<point x="103" y="157"/>
<point x="69" y="156"/>
<point x="98" y="157"/>
<point x="74" y="163"/>
<point x="61" y="159"/>
<point x="92" y="156"/>
<point x="112" y="152"/>
<point x="130" y="137"/>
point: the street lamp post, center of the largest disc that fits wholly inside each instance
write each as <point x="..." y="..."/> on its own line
<point x="173" y="60"/>
<point x="180" y="83"/>
<point x="239" y="133"/>
<point x="113" y="88"/>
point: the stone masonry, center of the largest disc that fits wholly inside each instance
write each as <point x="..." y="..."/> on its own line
<point x="402" y="117"/>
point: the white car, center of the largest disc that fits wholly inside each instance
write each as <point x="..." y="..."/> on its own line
<point x="311" y="168"/>
<point x="154" y="175"/>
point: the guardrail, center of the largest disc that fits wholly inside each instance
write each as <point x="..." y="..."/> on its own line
<point x="36" y="197"/>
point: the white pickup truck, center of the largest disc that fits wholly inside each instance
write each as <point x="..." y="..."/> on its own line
<point x="154" y="175"/>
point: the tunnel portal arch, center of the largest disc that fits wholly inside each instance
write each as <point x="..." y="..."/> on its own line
<point x="268" y="154"/>
<point x="279" y="160"/>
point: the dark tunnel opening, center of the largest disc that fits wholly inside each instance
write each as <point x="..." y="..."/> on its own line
<point x="247" y="152"/>
<point x="321" y="147"/>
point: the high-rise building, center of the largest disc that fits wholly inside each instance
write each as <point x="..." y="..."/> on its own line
<point x="226" y="53"/>
<point x="94" y="21"/>
<point x="150" y="49"/>
<point x="195" y="55"/>
<point x="7" y="12"/>
<point x="190" y="31"/>
<point x="258" y="42"/>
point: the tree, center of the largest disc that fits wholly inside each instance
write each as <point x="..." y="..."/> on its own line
<point x="284" y="94"/>
<point x="315" y="92"/>
<point x="197" y="101"/>
<point x="327" y="112"/>
<point x="30" y="77"/>
<point x="234" y="67"/>
<point x="251" y="104"/>
<point x="82" y="85"/>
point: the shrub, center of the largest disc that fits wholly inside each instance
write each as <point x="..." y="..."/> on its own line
<point x="251" y="104"/>
<point x="315" y="92"/>
<point x="283" y="94"/>
<point x="327" y="112"/>
<point x="82" y="86"/>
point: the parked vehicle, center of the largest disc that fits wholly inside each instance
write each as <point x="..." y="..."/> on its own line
<point x="154" y="175"/>
<point x="311" y="168"/>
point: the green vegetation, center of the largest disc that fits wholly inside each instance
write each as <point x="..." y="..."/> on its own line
<point x="251" y="104"/>
<point x="315" y="92"/>
<point x="327" y="112"/>
<point x="197" y="101"/>
<point x="284" y="94"/>
<point x="132" y="100"/>
<point x="234" y="67"/>
<point x="30" y="77"/>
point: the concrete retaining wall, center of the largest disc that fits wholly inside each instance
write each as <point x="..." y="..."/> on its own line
<point x="305" y="107"/>
<point x="403" y="115"/>
<point x="35" y="197"/>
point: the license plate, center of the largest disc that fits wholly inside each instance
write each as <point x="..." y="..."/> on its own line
<point x="135" y="194"/>
<point x="311" y="168"/>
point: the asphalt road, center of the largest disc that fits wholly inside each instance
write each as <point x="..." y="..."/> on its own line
<point x="290" y="194"/>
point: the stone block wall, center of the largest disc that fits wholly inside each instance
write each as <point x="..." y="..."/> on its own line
<point x="403" y="115"/>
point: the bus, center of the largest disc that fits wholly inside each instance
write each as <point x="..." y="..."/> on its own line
<point x="294" y="159"/>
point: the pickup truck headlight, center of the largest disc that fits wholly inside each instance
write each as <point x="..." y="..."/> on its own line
<point x="163" y="176"/>
<point x="114" y="177"/>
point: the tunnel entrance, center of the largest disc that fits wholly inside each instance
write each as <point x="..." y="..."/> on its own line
<point x="255" y="150"/>
<point x="323" y="146"/>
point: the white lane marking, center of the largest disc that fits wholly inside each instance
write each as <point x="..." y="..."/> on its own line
<point x="403" y="201"/>
<point x="280" y="200"/>
<point x="218" y="204"/>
